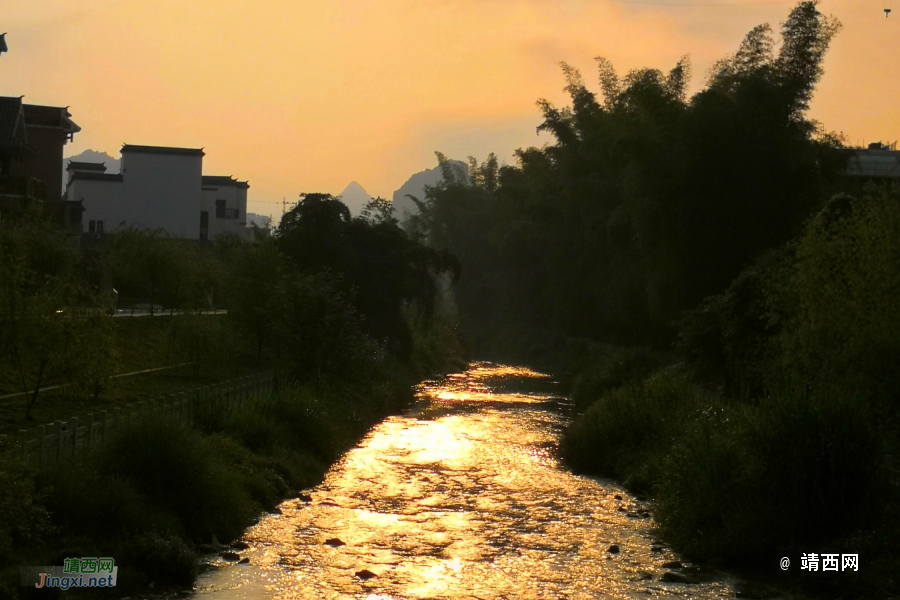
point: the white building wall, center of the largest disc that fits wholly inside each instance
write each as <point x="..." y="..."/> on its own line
<point x="103" y="201"/>
<point x="163" y="191"/>
<point x="235" y="197"/>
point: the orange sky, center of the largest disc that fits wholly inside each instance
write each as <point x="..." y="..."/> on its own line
<point x="307" y="95"/>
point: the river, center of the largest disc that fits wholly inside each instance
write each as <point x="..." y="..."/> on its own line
<point x="462" y="497"/>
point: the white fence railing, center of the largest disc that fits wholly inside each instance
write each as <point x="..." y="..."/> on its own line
<point x="62" y="440"/>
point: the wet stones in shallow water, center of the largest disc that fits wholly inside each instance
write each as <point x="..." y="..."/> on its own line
<point x="244" y="561"/>
<point x="230" y="555"/>
<point x="240" y="545"/>
<point x="334" y="542"/>
<point x="670" y="577"/>
<point x="618" y="497"/>
<point x="304" y="498"/>
<point x="656" y="549"/>
<point x="672" y="565"/>
<point x="614" y="549"/>
<point x="365" y="574"/>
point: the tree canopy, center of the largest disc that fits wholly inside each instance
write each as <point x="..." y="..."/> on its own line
<point x="648" y="200"/>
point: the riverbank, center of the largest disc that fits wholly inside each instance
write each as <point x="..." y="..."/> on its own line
<point x="161" y="493"/>
<point x="745" y="484"/>
<point x="734" y="482"/>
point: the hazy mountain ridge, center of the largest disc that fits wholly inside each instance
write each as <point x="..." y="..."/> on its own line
<point x="91" y="156"/>
<point x="415" y="186"/>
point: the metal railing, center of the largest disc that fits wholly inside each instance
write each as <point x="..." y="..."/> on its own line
<point x="62" y="440"/>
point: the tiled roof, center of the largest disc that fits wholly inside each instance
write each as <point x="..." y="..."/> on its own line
<point x="161" y="150"/>
<point x="91" y="176"/>
<point x="12" y="123"/>
<point x="224" y="181"/>
<point x="49" y="116"/>
<point x="85" y="166"/>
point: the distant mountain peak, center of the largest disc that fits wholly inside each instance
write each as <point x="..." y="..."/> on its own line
<point x="355" y="197"/>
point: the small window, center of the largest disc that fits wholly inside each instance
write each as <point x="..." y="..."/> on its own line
<point x="220" y="209"/>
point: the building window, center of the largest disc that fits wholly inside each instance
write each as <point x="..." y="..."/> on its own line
<point x="204" y="225"/>
<point x="225" y="213"/>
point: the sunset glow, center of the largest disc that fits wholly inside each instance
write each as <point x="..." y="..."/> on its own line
<point x="307" y="96"/>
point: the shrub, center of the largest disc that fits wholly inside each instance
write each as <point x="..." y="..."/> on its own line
<point x="613" y="368"/>
<point x="733" y="338"/>
<point x="173" y="468"/>
<point x="747" y="480"/>
<point x="625" y="432"/>
<point x="162" y="558"/>
<point x="847" y="333"/>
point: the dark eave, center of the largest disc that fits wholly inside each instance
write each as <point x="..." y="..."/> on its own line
<point x="55" y="117"/>
<point x="85" y="166"/>
<point x="91" y="176"/>
<point x="161" y="150"/>
<point x="224" y="181"/>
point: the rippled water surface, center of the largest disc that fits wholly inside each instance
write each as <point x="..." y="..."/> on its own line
<point x="461" y="498"/>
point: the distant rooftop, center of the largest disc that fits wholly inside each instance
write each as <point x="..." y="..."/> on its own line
<point x="56" y="117"/>
<point x="877" y="161"/>
<point x="3" y="46"/>
<point x="85" y="166"/>
<point x="224" y="181"/>
<point x="161" y="150"/>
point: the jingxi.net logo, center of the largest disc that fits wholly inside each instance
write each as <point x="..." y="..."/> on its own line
<point x="76" y="572"/>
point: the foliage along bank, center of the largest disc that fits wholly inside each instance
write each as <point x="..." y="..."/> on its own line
<point x="713" y="223"/>
<point x="160" y="490"/>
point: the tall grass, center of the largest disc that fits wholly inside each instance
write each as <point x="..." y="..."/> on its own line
<point x="739" y="481"/>
<point x="158" y="489"/>
<point x="625" y="433"/>
<point x="612" y="367"/>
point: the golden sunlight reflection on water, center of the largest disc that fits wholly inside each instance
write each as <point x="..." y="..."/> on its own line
<point x="461" y="498"/>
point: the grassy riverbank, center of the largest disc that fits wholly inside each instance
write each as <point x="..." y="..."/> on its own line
<point x="347" y="322"/>
<point x="745" y="484"/>
<point x="159" y="491"/>
<point x="778" y="432"/>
